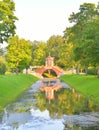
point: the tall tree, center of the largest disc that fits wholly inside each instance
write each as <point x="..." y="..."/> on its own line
<point x="38" y="54"/>
<point x="19" y="53"/>
<point x="55" y="45"/>
<point x="79" y="32"/>
<point x="91" y="42"/>
<point x="7" y="19"/>
<point x="87" y="12"/>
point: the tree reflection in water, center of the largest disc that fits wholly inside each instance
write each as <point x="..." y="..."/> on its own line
<point x="66" y="101"/>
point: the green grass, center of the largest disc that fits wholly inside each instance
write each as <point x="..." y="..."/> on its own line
<point x="12" y="86"/>
<point x="87" y="85"/>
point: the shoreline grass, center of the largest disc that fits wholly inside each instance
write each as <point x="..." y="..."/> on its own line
<point x="87" y="85"/>
<point x="12" y="86"/>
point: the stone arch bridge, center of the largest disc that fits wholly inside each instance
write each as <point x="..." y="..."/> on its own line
<point x="49" y="66"/>
<point x="58" y="71"/>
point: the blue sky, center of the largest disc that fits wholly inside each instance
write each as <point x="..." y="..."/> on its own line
<point x="40" y="19"/>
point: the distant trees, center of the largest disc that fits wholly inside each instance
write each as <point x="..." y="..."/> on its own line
<point x="57" y="48"/>
<point x="38" y="53"/>
<point x="7" y="19"/>
<point x="18" y="54"/>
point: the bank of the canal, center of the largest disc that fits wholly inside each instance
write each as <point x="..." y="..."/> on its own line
<point x="87" y="85"/>
<point x="12" y="86"/>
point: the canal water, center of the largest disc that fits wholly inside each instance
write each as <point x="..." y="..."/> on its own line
<point x="68" y="110"/>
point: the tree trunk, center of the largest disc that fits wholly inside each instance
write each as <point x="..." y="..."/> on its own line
<point x="73" y="70"/>
<point x="77" y="70"/>
<point x="17" y="70"/>
<point x="86" y="70"/>
<point x="26" y="70"/>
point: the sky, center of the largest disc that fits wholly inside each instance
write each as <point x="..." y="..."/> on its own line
<point x="40" y="19"/>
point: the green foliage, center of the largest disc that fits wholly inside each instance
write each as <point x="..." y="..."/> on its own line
<point x="84" y="35"/>
<point x="91" y="44"/>
<point x="7" y="19"/>
<point x="92" y="71"/>
<point x="87" y="12"/>
<point x="2" y="68"/>
<point x="19" y="53"/>
<point x="38" y="54"/>
<point x="60" y="50"/>
<point x="55" y="46"/>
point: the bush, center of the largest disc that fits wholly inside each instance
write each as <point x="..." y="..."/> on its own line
<point x="2" y="68"/>
<point x="92" y="71"/>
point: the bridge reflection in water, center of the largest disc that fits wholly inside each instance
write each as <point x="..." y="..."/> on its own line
<point x="50" y="86"/>
<point x="62" y="99"/>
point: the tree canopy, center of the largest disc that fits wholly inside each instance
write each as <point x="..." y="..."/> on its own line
<point x="19" y="53"/>
<point x="7" y="19"/>
<point x="38" y="53"/>
<point x="84" y="34"/>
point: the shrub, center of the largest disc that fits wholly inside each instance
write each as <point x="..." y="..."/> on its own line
<point x="2" y="68"/>
<point x="92" y="71"/>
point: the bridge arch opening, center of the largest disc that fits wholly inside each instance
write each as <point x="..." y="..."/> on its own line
<point x="49" y="73"/>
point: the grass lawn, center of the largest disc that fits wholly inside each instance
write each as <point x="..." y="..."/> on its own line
<point x="11" y="86"/>
<point x="87" y="85"/>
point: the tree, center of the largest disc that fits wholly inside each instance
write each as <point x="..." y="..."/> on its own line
<point x="7" y="19"/>
<point x="91" y="42"/>
<point x="88" y="12"/>
<point x="38" y="54"/>
<point x="78" y="34"/>
<point x="55" y="45"/>
<point x="19" y="53"/>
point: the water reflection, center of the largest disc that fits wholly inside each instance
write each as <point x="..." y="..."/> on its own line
<point x="67" y="111"/>
<point x="65" y="101"/>
<point x="49" y="86"/>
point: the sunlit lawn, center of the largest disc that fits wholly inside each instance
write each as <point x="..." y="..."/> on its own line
<point x="12" y="86"/>
<point x="88" y="85"/>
